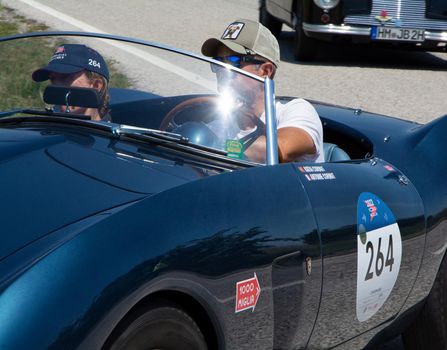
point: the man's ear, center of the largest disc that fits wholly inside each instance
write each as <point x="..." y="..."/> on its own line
<point x="267" y="69"/>
<point x="98" y="84"/>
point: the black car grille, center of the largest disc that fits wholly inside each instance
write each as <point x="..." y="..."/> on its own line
<point x="406" y="13"/>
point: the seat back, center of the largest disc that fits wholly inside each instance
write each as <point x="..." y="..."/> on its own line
<point x="333" y="153"/>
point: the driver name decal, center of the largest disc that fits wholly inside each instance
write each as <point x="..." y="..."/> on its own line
<point x="379" y="253"/>
<point x="316" y="173"/>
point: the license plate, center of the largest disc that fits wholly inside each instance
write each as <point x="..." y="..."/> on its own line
<point x="397" y="34"/>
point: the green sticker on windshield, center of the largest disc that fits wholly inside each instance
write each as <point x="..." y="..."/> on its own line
<point x="234" y="149"/>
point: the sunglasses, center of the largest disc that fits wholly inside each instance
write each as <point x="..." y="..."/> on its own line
<point x="235" y="61"/>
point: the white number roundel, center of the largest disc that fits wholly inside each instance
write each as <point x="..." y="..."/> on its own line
<point x="379" y="253"/>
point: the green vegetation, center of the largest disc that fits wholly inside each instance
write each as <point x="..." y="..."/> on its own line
<point x="7" y="27"/>
<point x="19" y="58"/>
<point x="17" y="61"/>
<point x="117" y="79"/>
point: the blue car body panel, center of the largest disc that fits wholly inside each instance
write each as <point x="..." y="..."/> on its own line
<point x="166" y="226"/>
<point x="97" y="224"/>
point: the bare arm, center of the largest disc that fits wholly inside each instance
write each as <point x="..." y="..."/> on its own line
<point x="292" y="143"/>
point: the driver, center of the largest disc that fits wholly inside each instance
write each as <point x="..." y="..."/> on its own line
<point x="74" y="65"/>
<point x="250" y="46"/>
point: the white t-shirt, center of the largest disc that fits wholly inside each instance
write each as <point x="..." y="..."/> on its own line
<point x="296" y="113"/>
<point x="299" y="113"/>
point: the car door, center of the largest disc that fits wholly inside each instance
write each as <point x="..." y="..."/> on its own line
<point x="372" y="229"/>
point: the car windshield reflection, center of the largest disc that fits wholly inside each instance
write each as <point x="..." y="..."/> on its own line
<point x="110" y="81"/>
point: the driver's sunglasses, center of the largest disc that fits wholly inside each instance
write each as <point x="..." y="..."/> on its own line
<point x="235" y="61"/>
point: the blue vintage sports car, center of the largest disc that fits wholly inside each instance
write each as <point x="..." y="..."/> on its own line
<point x="156" y="231"/>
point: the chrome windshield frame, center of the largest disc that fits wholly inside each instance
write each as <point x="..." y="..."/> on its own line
<point x="270" y="123"/>
<point x="270" y="117"/>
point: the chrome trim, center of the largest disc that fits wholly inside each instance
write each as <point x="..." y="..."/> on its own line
<point x="333" y="29"/>
<point x="436" y="36"/>
<point x="327" y="7"/>
<point x="362" y="31"/>
<point x="404" y="13"/>
<point x="270" y="123"/>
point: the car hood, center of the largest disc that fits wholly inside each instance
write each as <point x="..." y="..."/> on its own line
<point x="51" y="179"/>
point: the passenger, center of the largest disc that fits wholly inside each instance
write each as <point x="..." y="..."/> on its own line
<point x="74" y="65"/>
<point x="252" y="47"/>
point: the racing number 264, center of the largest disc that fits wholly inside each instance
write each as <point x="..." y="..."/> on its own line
<point x="379" y="258"/>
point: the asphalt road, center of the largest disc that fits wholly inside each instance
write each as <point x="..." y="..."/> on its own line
<point x="411" y="85"/>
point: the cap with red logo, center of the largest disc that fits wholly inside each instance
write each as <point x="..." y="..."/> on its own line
<point x="72" y="58"/>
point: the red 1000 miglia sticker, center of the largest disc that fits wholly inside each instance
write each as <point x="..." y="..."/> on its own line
<point x="247" y="294"/>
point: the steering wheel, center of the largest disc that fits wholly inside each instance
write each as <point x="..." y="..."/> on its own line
<point x="204" y="109"/>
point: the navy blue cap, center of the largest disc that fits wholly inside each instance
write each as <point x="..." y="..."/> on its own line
<point x="72" y="58"/>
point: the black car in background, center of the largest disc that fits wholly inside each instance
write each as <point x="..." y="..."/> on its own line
<point x="412" y="24"/>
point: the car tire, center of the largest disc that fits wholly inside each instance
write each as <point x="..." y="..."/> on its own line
<point x="163" y="325"/>
<point x="429" y="330"/>
<point x="305" y="48"/>
<point x="272" y="23"/>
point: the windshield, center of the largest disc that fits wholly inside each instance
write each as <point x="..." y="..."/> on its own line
<point x="135" y="85"/>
